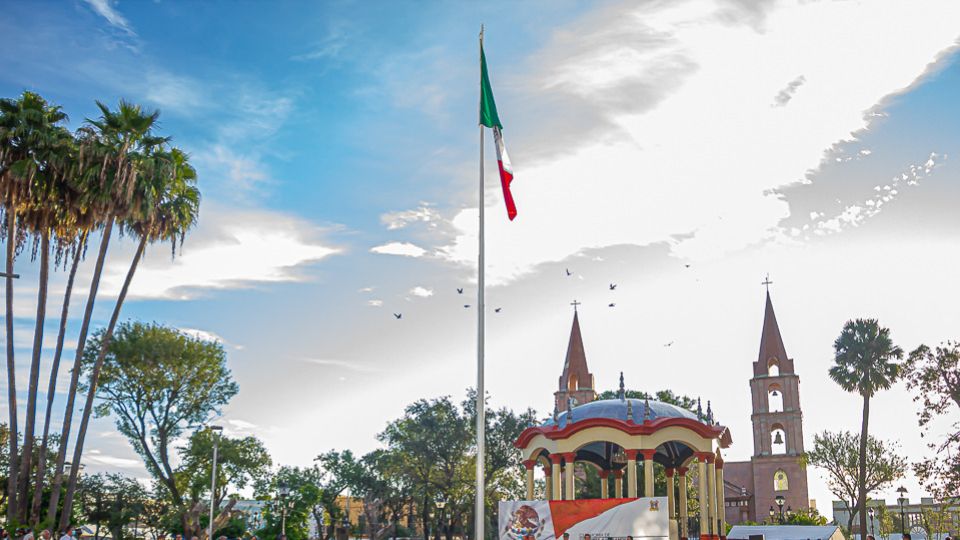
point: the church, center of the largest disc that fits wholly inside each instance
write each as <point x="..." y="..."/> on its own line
<point x="774" y="479"/>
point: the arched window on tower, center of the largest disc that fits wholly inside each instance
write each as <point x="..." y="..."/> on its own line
<point x="773" y="367"/>
<point x="778" y="439"/>
<point x="780" y="482"/>
<point x="775" y="398"/>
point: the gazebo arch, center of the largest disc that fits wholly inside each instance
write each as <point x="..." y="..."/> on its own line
<point x="623" y="438"/>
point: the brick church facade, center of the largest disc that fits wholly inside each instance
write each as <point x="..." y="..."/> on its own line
<point x="750" y="487"/>
<point x="775" y="469"/>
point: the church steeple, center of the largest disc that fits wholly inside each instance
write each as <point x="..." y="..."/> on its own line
<point x="772" y="351"/>
<point x="576" y="381"/>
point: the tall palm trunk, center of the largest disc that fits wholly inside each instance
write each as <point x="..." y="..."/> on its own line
<point x="862" y="476"/>
<point x="94" y="377"/>
<point x="11" y="366"/>
<point x="52" y="386"/>
<point x="31" y="420"/>
<point x="75" y="379"/>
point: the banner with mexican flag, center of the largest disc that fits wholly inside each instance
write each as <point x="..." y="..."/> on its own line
<point x="602" y="519"/>
<point x="490" y="119"/>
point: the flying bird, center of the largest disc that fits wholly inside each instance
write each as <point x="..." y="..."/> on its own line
<point x="668" y="344"/>
<point x="687" y="265"/>
<point x="459" y="290"/>
<point x="497" y="309"/>
<point x="613" y="286"/>
<point x="569" y="273"/>
<point x="466" y="305"/>
<point x="398" y="315"/>
<point x="612" y="305"/>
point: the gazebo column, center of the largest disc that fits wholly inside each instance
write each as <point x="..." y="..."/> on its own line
<point x="529" y="464"/>
<point x="604" y="484"/>
<point x="671" y="503"/>
<point x="712" y="492"/>
<point x="721" y="503"/>
<point x="569" y="458"/>
<point x="548" y="482"/>
<point x="648" y="472"/>
<point x="703" y="496"/>
<point x="684" y="517"/>
<point x="556" y="492"/>
<point x="618" y="483"/>
<point x="631" y="472"/>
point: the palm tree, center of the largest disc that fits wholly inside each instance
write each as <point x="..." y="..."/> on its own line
<point x="165" y="205"/>
<point x="864" y="363"/>
<point x="28" y="129"/>
<point x="106" y="177"/>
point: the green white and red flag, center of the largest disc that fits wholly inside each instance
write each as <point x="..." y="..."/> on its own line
<point x="490" y="119"/>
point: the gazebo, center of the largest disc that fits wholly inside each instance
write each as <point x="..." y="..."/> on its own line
<point x="613" y="435"/>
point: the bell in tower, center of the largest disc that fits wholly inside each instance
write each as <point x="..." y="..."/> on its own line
<point x="778" y="439"/>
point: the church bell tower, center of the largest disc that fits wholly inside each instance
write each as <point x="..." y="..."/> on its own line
<point x="576" y="381"/>
<point x="777" y="424"/>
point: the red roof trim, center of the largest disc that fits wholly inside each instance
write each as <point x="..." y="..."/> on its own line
<point x="554" y="433"/>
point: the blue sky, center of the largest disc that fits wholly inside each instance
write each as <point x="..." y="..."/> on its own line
<point x="336" y="144"/>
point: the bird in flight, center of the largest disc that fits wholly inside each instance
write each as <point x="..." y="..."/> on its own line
<point x="613" y="286"/>
<point x="612" y="305"/>
<point x="668" y="344"/>
<point x="398" y="315"/>
<point x="459" y="290"/>
<point x="687" y="265"/>
<point x="569" y="273"/>
<point x="466" y="305"/>
<point x="497" y="309"/>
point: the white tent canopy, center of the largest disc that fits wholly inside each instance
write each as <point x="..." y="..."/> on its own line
<point x="786" y="532"/>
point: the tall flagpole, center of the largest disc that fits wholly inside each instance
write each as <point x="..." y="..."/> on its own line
<point x="479" y="506"/>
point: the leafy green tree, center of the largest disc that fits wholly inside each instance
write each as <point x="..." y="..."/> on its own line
<point x="240" y="461"/>
<point x="839" y="455"/>
<point x="664" y="396"/>
<point x="297" y="506"/>
<point x="160" y="383"/>
<point x="934" y="376"/>
<point x="111" y="501"/>
<point x="806" y="516"/>
<point x="336" y="472"/>
<point x="865" y="362"/>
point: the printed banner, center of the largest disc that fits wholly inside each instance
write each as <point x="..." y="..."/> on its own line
<point x="588" y="519"/>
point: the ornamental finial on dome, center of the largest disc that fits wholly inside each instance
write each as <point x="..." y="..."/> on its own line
<point x="629" y="410"/>
<point x="646" y="410"/>
<point x="555" y="414"/>
<point x="709" y="413"/>
<point x="569" y="410"/>
<point x="699" y="411"/>
<point x="622" y="394"/>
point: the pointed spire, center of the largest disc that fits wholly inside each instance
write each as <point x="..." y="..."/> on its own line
<point x="699" y="410"/>
<point x="569" y="410"/>
<point x="709" y="413"/>
<point x="622" y="394"/>
<point x="646" y="410"/>
<point x="629" y="410"/>
<point x="555" y="414"/>
<point x="771" y="343"/>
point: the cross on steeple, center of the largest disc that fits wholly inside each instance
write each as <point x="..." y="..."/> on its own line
<point x="766" y="281"/>
<point x="575" y="304"/>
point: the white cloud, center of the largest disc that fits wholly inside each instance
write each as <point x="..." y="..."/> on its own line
<point x="398" y="220"/>
<point x="343" y="364"/>
<point x="229" y="249"/>
<point x="422" y="292"/>
<point x="405" y="249"/>
<point x="105" y="9"/>
<point x="375" y="303"/>
<point x="365" y="289"/>
<point x="97" y="458"/>
<point x="241" y="174"/>
<point x="691" y="154"/>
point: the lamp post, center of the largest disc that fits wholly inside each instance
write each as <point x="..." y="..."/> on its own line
<point x="284" y="493"/>
<point x="215" y="430"/>
<point x="780" y="500"/>
<point x="772" y="514"/>
<point x="441" y="503"/>
<point x="871" y="513"/>
<point x="902" y="500"/>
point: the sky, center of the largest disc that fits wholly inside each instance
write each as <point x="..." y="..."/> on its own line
<point x="683" y="150"/>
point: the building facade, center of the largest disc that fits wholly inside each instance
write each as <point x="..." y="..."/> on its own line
<point x="926" y="519"/>
<point x="775" y="469"/>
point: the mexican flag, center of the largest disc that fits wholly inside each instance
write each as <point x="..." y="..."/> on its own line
<point x="490" y="119"/>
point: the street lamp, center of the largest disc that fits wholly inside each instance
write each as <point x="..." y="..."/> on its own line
<point x="780" y="500"/>
<point x="216" y="430"/>
<point x="772" y="513"/>
<point x="902" y="500"/>
<point x="440" y="503"/>
<point x="871" y="512"/>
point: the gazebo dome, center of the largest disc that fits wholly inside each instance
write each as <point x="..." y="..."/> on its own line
<point x="634" y="410"/>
